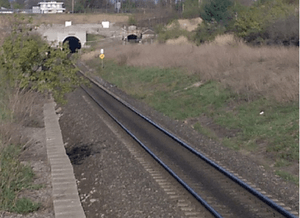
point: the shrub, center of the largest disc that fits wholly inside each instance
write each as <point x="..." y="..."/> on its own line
<point x="171" y="32"/>
<point x="132" y="20"/>
<point x="283" y="31"/>
<point x="218" y="16"/>
<point x="263" y="20"/>
<point x="207" y="32"/>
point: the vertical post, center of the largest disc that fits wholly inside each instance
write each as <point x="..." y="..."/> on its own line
<point x="102" y="56"/>
<point x="72" y="6"/>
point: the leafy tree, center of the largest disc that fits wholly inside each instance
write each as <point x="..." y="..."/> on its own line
<point x="254" y="24"/>
<point x="217" y="10"/>
<point x="28" y="62"/>
<point x="218" y="18"/>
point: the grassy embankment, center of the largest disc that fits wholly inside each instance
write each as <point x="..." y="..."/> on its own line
<point x="15" y="177"/>
<point x="230" y="84"/>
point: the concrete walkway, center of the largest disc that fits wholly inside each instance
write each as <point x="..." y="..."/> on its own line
<point x="64" y="189"/>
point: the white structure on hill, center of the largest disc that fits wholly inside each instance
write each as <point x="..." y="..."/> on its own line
<point x="51" y="7"/>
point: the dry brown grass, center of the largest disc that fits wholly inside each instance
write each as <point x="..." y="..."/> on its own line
<point x="181" y="40"/>
<point x="23" y="108"/>
<point x="21" y="104"/>
<point x="225" y="39"/>
<point x="269" y="71"/>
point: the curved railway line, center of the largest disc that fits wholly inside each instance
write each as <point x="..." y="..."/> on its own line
<point x="214" y="191"/>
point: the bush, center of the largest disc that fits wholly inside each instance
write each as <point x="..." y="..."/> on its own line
<point x="207" y="32"/>
<point x="218" y="16"/>
<point x="283" y="31"/>
<point x="266" y="19"/>
<point x="132" y="20"/>
<point x="172" y="32"/>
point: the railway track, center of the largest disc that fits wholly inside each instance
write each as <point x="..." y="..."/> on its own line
<point x="215" y="192"/>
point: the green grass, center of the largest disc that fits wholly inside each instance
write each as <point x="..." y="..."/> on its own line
<point x="206" y="131"/>
<point x="170" y="91"/>
<point x="15" y="177"/>
<point x="4" y="110"/>
<point x="4" y="114"/>
<point x="287" y="176"/>
<point x="93" y="39"/>
<point x="277" y="129"/>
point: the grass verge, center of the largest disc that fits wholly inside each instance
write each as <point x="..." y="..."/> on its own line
<point x="260" y="125"/>
<point x="93" y="39"/>
<point x="15" y="177"/>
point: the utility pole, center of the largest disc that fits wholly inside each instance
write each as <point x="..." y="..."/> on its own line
<point x="72" y="6"/>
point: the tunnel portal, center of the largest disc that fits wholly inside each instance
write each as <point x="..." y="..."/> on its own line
<point x="132" y="38"/>
<point x="74" y="43"/>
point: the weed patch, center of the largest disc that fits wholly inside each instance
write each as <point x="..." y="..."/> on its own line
<point x="14" y="177"/>
<point x="24" y="205"/>
<point x="265" y="125"/>
<point x="93" y="39"/>
<point x="205" y="131"/>
<point x="287" y="176"/>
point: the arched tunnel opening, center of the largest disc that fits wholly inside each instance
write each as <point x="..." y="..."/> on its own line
<point x="74" y="43"/>
<point x="132" y="38"/>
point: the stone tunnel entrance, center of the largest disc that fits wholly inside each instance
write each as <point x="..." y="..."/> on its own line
<point x="132" y="38"/>
<point x="74" y="43"/>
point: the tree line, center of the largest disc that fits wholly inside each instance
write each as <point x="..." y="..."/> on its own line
<point x="271" y="22"/>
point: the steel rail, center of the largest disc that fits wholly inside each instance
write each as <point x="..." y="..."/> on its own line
<point x="186" y="186"/>
<point x="244" y="185"/>
<point x="263" y="198"/>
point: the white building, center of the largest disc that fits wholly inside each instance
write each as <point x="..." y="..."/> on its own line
<point x="36" y="10"/>
<point x="51" y="7"/>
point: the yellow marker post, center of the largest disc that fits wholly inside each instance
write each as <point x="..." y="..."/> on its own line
<point x="101" y="56"/>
